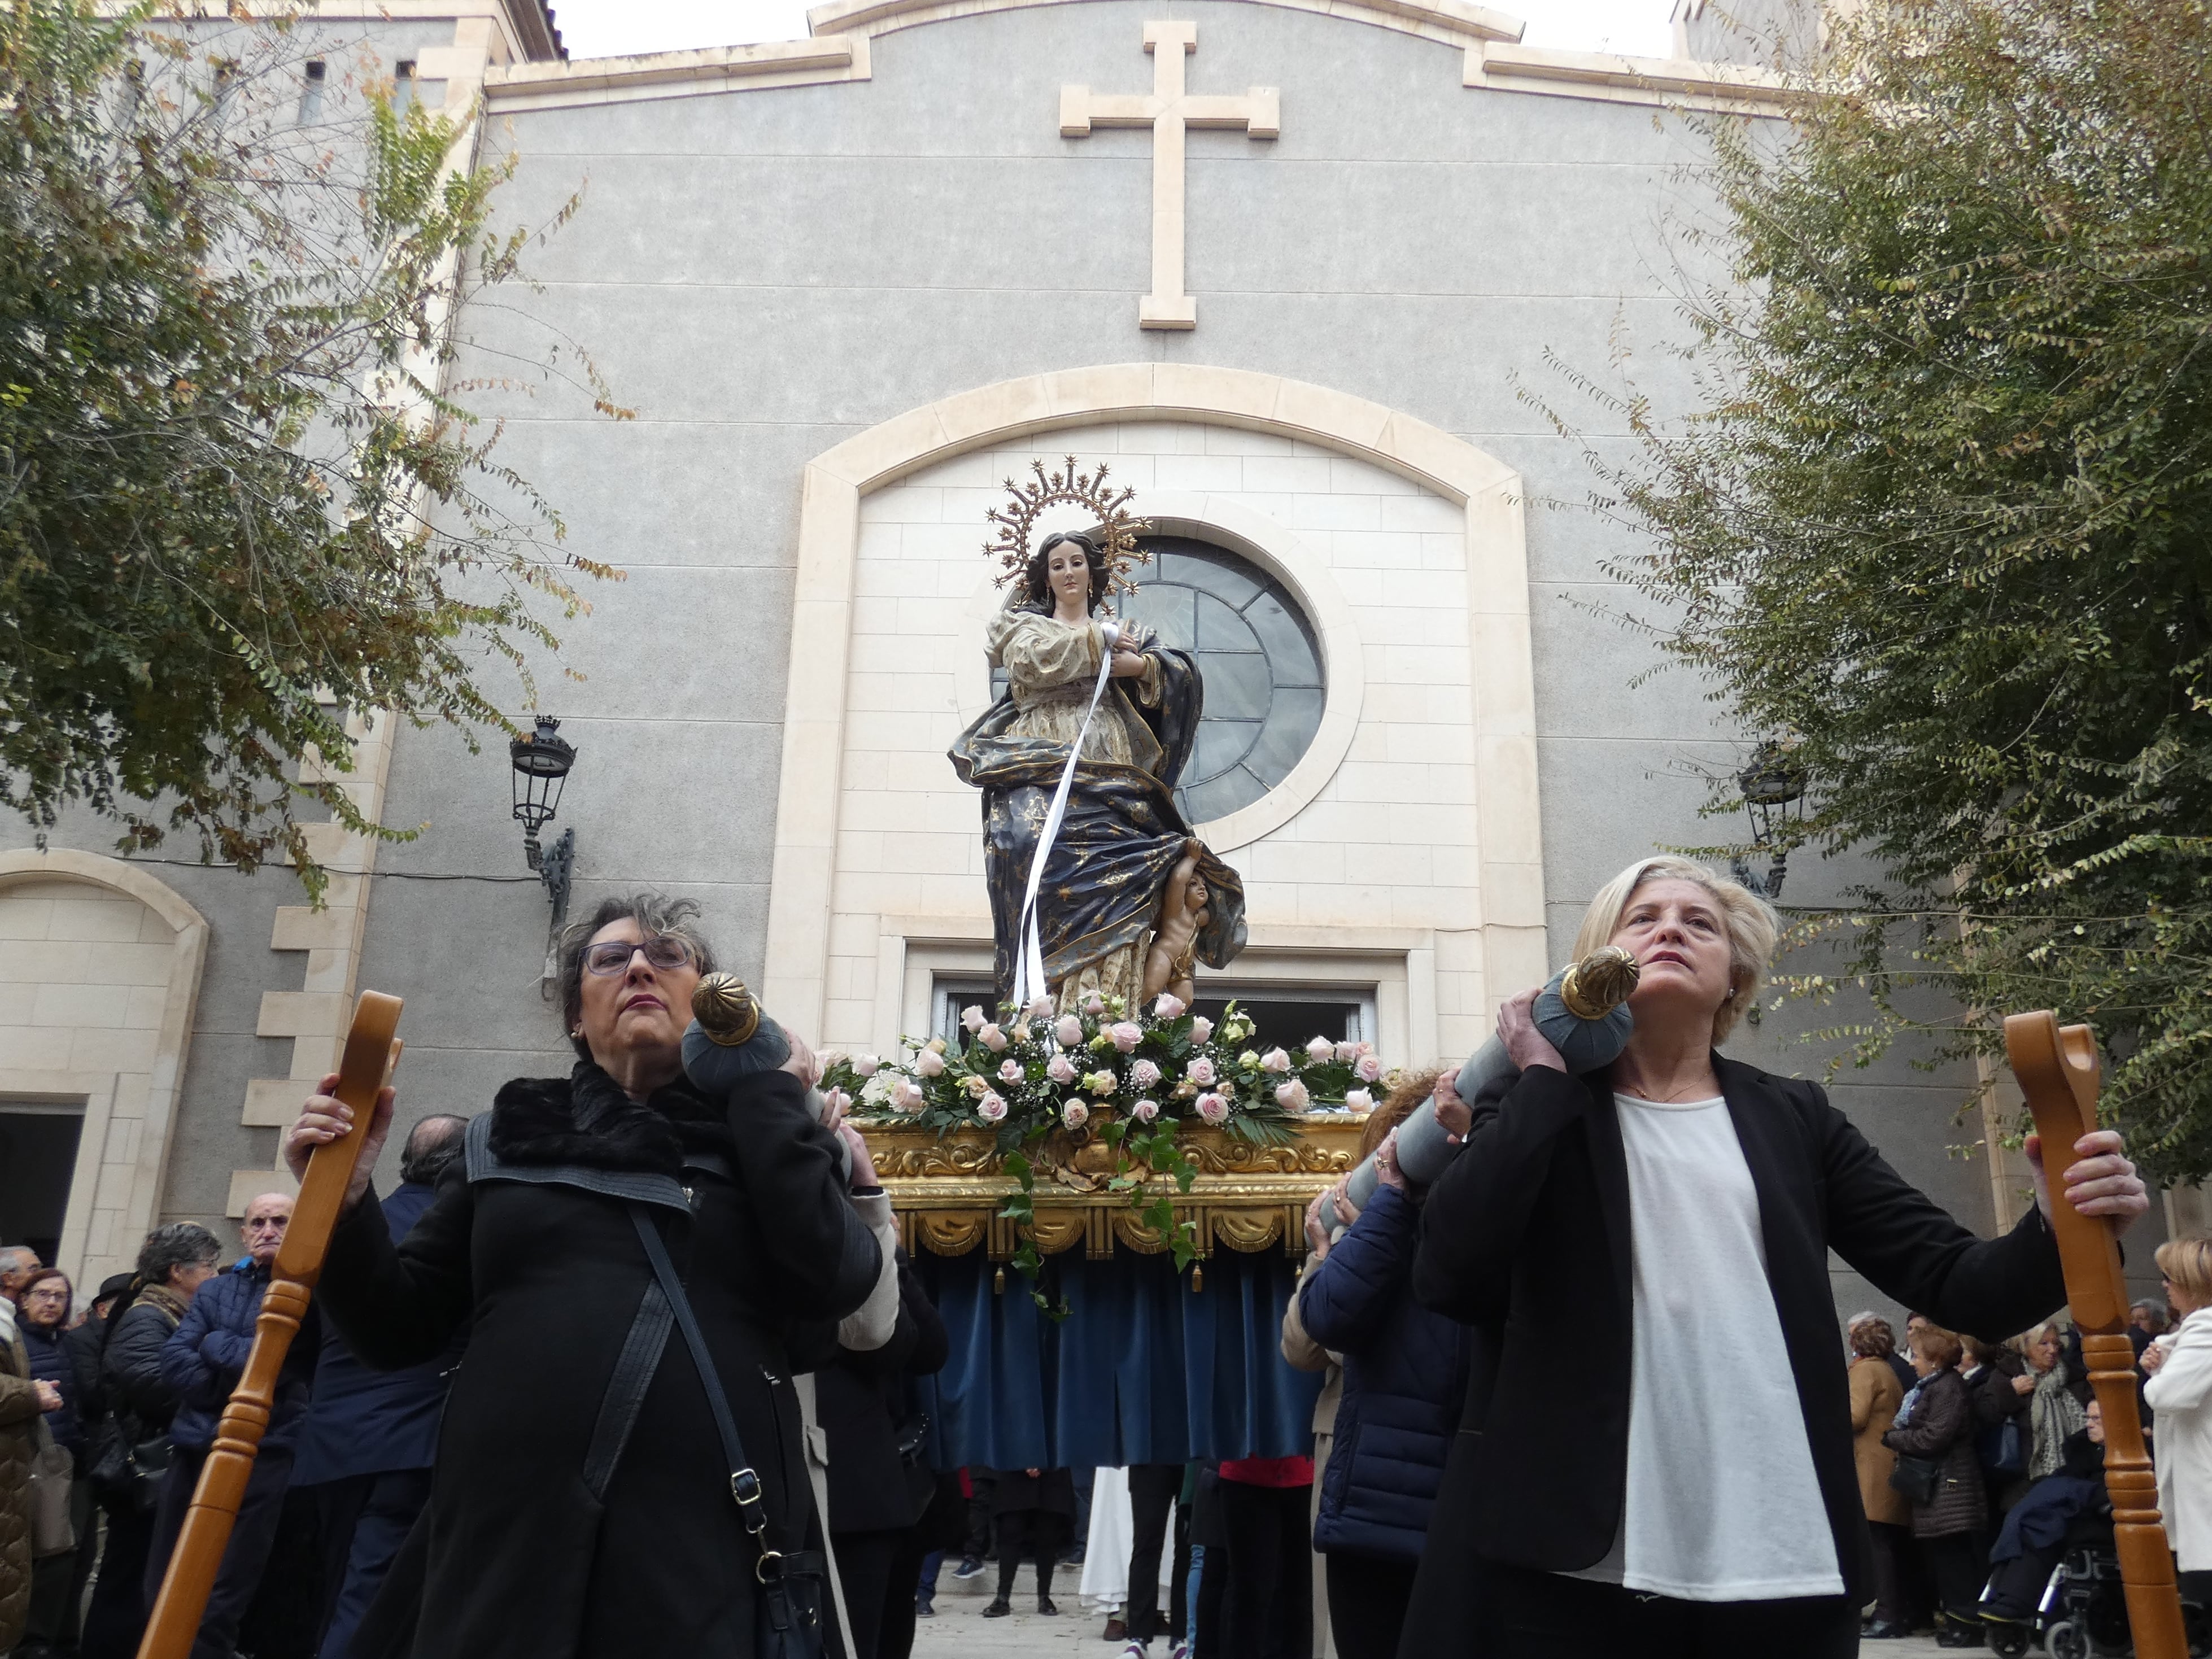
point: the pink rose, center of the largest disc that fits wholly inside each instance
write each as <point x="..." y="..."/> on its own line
<point x="1075" y="1115"/>
<point x="1060" y="1069"/>
<point x="1094" y="1005"/>
<point x="1200" y="1071"/>
<point x="1167" y="1005"/>
<point x="1126" y="1036"/>
<point x="991" y="1108"/>
<point x="1358" y="1100"/>
<point x="1368" y="1069"/>
<point x="1039" y="1009"/>
<point x="908" y="1097"/>
<point x="865" y="1065"/>
<point x="1292" y="1096"/>
<point x="1321" y="1051"/>
<point x="1068" y="1032"/>
<point x="1146" y="1110"/>
<point x="929" y="1063"/>
<point x="1213" y="1108"/>
<point x="1275" y="1060"/>
<point x="1365" y="1048"/>
<point x="1346" y="1052"/>
<point x="1201" y="1030"/>
<point x="972" y="1018"/>
<point x="1010" y="1071"/>
<point x="991" y="1038"/>
<point x="1144" y="1074"/>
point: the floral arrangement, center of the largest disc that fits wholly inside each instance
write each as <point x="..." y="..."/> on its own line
<point x="1131" y="1080"/>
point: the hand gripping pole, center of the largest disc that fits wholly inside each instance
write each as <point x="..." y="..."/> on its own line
<point x="2057" y="1073"/>
<point x="370" y="1053"/>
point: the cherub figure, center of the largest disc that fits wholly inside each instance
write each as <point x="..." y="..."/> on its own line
<point x="1183" y="898"/>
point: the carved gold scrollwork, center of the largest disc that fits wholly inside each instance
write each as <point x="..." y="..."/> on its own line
<point x="951" y="1232"/>
<point x="1248" y="1231"/>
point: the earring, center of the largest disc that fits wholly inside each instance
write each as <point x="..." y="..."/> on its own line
<point x="577" y="1035"/>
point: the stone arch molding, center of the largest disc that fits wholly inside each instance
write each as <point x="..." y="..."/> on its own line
<point x="114" y="1039"/>
<point x="1501" y="710"/>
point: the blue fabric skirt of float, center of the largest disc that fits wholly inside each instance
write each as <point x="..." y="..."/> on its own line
<point x="1143" y="1370"/>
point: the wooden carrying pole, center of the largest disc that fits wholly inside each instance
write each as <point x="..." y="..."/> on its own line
<point x="2057" y="1073"/>
<point x="370" y="1052"/>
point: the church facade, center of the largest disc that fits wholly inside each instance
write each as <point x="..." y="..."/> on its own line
<point x="1306" y="276"/>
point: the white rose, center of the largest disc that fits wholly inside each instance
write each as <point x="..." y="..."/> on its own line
<point x="1144" y="1074"/>
<point x="1039" y="1009"/>
<point x="1201" y="1030"/>
<point x="1068" y="1031"/>
<point x="1010" y="1071"/>
<point x="1275" y="1060"/>
<point x="1075" y="1115"/>
<point x="1292" y="1096"/>
<point x="908" y="1097"/>
<point x="1103" y="1082"/>
<point x="1346" y="1052"/>
<point x="972" y="1018"/>
<point x="1167" y="1005"/>
<point x="1368" y="1069"/>
<point x="1358" y="1100"/>
<point x="1146" y="1110"/>
<point x="1321" y="1051"/>
<point x="1094" y="1005"/>
<point x="929" y="1063"/>
<point x="1126" y="1036"/>
<point x="1060" y="1069"/>
<point x="865" y="1065"/>
<point x="993" y="1038"/>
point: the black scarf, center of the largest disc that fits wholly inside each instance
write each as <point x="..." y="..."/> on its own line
<point x="586" y="1119"/>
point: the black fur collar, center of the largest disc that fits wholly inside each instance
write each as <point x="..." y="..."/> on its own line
<point x="585" y="1119"/>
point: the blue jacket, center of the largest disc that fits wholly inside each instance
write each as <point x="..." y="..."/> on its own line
<point x="205" y="1354"/>
<point x="372" y="1422"/>
<point x="50" y="1363"/>
<point x="1405" y="1380"/>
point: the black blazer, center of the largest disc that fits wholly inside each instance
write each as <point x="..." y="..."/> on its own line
<point x="1526" y="1237"/>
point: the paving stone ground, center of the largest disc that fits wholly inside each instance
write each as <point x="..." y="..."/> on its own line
<point x="960" y="1631"/>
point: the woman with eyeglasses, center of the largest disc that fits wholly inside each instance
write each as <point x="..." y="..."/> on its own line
<point x="42" y="1319"/>
<point x="581" y="1502"/>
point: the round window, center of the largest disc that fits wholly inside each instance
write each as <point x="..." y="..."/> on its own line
<point x="1257" y="655"/>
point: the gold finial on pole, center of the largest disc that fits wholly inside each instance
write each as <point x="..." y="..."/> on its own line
<point x="728" y="1013"/>
<point x="1599" y="982"/>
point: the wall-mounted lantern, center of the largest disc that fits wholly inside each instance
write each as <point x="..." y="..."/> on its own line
<point x="542" y="761"/>
<point x="1773" y="788"/>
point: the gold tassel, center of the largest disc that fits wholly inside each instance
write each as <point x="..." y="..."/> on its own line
<point x="999" y="1282"/>
<point x="1197" y="1275"/>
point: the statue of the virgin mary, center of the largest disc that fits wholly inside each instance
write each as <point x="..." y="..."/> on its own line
<point x="1125" y="879"/>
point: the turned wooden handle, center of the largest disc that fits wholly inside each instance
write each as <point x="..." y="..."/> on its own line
<point x="371" y="1051"/>
<point x="2057" y="1073"/>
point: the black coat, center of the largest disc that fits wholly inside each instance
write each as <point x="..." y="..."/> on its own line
<point x="1525" y="1236"/>
<point x="140" y="1401"/>
<point x="860" y="1400"/>
<point x="536" y="1542"/>
<point x="1942" y="1429"/>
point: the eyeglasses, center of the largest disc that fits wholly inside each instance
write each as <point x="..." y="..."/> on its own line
<point x="45" y="1296"/>
<point x="612" y="955"/>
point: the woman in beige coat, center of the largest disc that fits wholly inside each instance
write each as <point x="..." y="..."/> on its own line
<point x="22" y="1401"/>
<point x="1875" y="1395"/>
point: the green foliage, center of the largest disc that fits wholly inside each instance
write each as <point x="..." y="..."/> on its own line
<point x="235" y="506"/>
<point x="1942" y="522"/>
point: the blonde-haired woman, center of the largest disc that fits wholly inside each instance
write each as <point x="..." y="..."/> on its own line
<point x="1697" y="1495"/>
<point x="2180" y="1392"/>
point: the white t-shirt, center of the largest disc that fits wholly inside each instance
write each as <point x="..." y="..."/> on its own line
<point x="1722" y="1503"/>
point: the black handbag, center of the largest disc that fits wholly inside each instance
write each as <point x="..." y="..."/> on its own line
<point x="127" y="1475"/>
<point x="1919" y="1478"/>
<point x="787" y="1620"/>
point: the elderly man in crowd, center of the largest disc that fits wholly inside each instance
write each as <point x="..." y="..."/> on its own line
<point x="202" y="1362"/>
<point x="372" y="1435"/>
<point x="17" y="1263"/>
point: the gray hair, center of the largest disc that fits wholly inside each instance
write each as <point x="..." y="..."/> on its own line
<point x="179" y="1244"/>
<point x="656" y="915"/>
<point x="15" y="1257"/>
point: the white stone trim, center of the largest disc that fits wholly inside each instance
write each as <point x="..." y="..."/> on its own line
<point x="1510" y="914"/>
<point x="821" y="60"/>
<point x="1735" y="88"/>
<point x="1452" y="21"/>
<point x="108" y="1213"/>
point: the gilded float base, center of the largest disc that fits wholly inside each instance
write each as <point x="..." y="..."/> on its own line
<point x="947" y="1194"/>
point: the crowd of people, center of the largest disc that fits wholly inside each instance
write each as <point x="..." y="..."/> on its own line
<point x="621" y="1367"/>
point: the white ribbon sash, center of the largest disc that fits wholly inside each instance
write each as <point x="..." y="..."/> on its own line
<point x="1028" y="964"/>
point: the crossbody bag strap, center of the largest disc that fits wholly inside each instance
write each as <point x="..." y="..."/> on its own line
<point x="745" y="1483"/>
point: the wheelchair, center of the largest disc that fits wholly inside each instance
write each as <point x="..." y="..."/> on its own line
<point x="2083" y="1615"/>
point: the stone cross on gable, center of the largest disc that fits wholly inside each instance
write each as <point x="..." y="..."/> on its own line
<point x="1168" y="112"/>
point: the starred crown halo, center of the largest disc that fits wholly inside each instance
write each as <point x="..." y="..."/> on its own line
<point x="1117" y="528"/>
